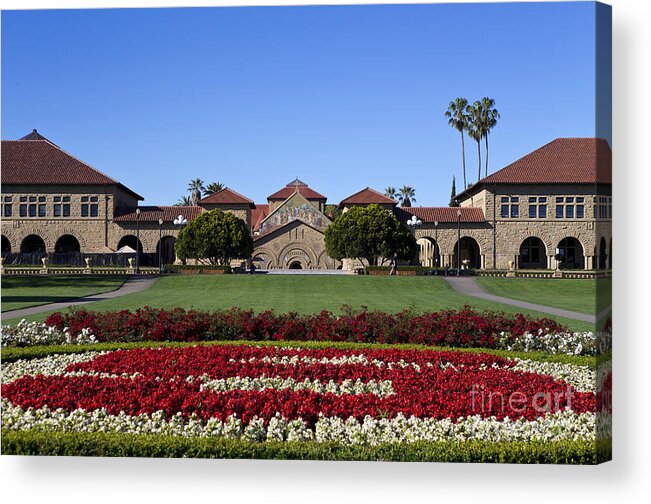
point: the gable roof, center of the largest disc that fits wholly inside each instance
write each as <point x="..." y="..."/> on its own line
<point x="226" y="197"/>
<point x="258" y="214"/>
<point x="40" y="162"/>
<point x="441" y="214"/>
<point x="299" y="186"/>
<point x="151" y="213"/>
<point x="368" y="196"/>
<point x="295" y="208"/>
<point x="561" y="161"/>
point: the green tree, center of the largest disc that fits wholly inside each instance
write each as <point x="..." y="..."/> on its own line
<point x="453" y="193"/>
<point x="196" y="189"/>
<point x="184" y="201"/>
<point x="490" y="115"/>
<point x="457" y="119"/>
<point x="391" y="192"/>
<point x="216" y="237"/>
<point x="406" y="196"/>
<point x="476" y="129"/>
<point x="370" y="234"/>
<point x="213" y="187"/>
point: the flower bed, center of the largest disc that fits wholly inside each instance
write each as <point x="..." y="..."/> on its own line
<point x="454" y="328"/>
<point x="288" y="394"/>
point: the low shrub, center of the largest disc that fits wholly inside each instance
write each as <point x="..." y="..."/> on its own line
<point x="198" y="269"/>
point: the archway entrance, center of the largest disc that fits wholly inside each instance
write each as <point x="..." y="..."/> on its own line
<point x="610" y="256"/>
<point x="470" y="254"/>
<point x="131" y="241"/>
<point x="429" y="255"/>
<point x="533" y="254"/>
<point x="295" y="265"/>
<point x="166" y="249"/>
<point x="571" y="254"/>
<point x="67" y="244"/>
<point x="603" y="255"/>
<point x="31" y="244"/>
<point x="6" y="245"/>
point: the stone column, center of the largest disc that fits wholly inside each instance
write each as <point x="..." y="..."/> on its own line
<point x="589" y="260"/>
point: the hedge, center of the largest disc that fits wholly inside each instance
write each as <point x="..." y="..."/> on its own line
<point x="100" y="444"/>
<point x="197" y="269"/>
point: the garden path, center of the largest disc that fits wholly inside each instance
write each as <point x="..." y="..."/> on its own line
<point x="133" y="284"/>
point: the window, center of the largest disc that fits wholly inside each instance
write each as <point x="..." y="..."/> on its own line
<point x="510" y="207"/>
<point x="7" y="209"/>
<point x="580" y="211"/>
<point x="538" y="207"/>
<point x="89" y="206"/>
<point x="32" y="210"/>
<point x="23" y="199"/>
<point x="94" y="206"/>
<point x="570" y="207"/>
<point x="61" y="206"/>
<point x="542" y="211"/>
<point x="569" y="211"/>
<point x="532" y="211"/>
<point x="515" y="211"/>
<point x="57" y="209"/>
<point x="23" y="211"/>
<point x="505" y="211"/>
<point x="41" y="210"/>
<point x="32" y="199"/>
<point x="559" y="211"/>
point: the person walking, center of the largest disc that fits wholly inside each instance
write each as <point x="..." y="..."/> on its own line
<point x="394" y="264"/>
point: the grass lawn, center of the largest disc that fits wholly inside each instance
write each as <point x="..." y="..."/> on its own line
<point x="570" y="294"/>
<point x="304" y="294"/>
<point x="24" y="291"/>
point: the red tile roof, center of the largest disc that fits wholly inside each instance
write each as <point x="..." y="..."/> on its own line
<point x="441" y="214"/>
<point x="40" y="162"/>
<point x="154" y="212"/>
<point x="226" y="197"/>
<point x="368" y="196"/>
<point x="561" y="161"/>
<point x="292" y="187"/>
<point x="258" y="214"/>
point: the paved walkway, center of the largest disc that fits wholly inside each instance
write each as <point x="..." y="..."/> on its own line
<point x="133" y="284"/>
<point x="469" y="287"/>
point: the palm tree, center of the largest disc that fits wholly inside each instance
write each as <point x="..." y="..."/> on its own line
<point x="476" y="129"/>
<point x="184" y="201"/>
<point x="457" y="119"/>
<point x="213" y="187"/>
<point x="490" y="115"/>
<point x="391" y="192"/>
<point x="406" y="195"/>
<point x="196" y="188"/>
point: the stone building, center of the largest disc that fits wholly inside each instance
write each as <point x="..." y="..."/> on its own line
<point x="553" y="207"/>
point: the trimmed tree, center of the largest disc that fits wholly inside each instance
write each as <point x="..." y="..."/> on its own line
<point x="370" y="234"/>
<point x="216" y="237"/>
<point x="453" y="193"/>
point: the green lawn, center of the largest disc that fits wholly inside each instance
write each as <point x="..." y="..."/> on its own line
<point x="24" y="291"/>
<point x="570" y="294"/>
<point x="304" y="294"/>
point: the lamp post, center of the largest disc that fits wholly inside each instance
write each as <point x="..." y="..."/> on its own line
<point x="436" y="248"/>
<point x="137" y="241"/>
<point x="458" y="239"/>
<point x="160" y="246"/>
<point x="414" y="223"/>
<point x="180" y="221"/>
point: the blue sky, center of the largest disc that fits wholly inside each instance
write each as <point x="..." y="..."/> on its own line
<point x="343" y="97"/>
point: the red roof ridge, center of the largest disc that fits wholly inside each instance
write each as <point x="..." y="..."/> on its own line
<point x="369" y="189"/>
<point x="243" y="198"/>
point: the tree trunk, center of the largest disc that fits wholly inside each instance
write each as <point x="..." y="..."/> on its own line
<point x="479" y="159"/>
<point x="486" y="171"/>
<point x="463" y="161"/>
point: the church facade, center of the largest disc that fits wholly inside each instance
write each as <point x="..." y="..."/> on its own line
<point x="551" y="208"/>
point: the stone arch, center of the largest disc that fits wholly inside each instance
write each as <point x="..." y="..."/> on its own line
<point x="76" y="235"/>
<point x="571" y="253"/>
<point x="40" y="232"/>
<point x="324" y="261"/>
<point x="430" y="253"/>
<point x="165" y="250"/>
<point x="131" y="241"/>
<point x="67" y="243"/>
<point x="532" y="253"/>
<point x="610" y="254"/>
<point x="602" y="254"/>
<point x="6" y="245"/>
<point x="264" y="258"/>
<point x="294" y="250"/>
<point x="32" y="243"/>
<point x="470" y="253"/>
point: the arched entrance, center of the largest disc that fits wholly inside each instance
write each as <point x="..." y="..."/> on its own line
<point x="130" y="241"/>
<point x="295" y="265"/>
<point x="610" y="256"/>
<point x="31" y="244"/>
<point x="533" y="254"/>
<point x="603" y="255"/>
<point x="6" y="245"/>
<point x="166" y="249"/>
<point x="67" y="244"/>
<point x="571" y="253"/>
<point x="429" y="255"/>
<point x="470" y="254"/>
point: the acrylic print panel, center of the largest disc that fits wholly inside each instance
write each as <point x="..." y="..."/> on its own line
<point x="326" y="232"/>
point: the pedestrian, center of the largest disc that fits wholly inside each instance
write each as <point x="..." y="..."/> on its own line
<point x="394" y="264"/>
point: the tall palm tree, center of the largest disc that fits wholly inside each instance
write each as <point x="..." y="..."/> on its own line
<point x="490" y="115"/>
<point x="184" y="201"/>
<point x="213" y="187"/>
<point x="196" y="189"/>
<point x="406" y="195"/>
<point x="391" y="192"/>
<point x="457" y="119"/>
<point x="476" y="129"/>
